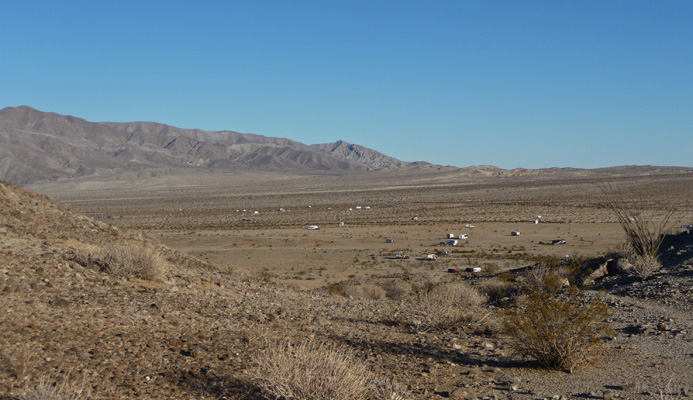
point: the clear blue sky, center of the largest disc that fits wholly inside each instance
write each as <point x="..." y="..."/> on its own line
<point x="528" y="84"/>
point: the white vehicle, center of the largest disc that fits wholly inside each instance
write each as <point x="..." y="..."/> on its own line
<point x="313" y="228"/>
<point x="464" y="236"/>
<point x="431" y="257"/>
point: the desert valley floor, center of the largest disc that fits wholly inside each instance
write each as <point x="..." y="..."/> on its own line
<point x="268" y="276"/>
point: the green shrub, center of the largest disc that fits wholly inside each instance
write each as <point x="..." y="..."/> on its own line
<point x="558" y="331"/>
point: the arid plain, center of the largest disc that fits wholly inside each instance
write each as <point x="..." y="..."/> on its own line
<point x="258" y="221"/>
<point x="76" y="325"/>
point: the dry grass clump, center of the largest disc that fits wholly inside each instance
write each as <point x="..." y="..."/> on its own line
<point x="315" y="370"/>
<point x="127" y="260"/>
<point x="441" y="306"/>
<point x="645" y="266"/>
<point x="366" y="290"/>
<point x="498" y="290"/>
<point x="548" y="279"/>
<point x="396" y="289"/>
<point x="50" y="387"/>
<point x="558" y="331"/>
<point x="642" y="266"/>
<point x="373" y="292"/>
<point x="389" y="389"/>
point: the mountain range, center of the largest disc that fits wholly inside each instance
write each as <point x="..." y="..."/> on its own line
<point x="40" y="146"/>
<point x="44" y="147"/>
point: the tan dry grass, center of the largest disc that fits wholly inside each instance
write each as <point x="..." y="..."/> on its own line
<point x="51" y="387"/>
<point x="310" y="370"/>
<point x="440" y="306"/>
<point x="128" y="259"/>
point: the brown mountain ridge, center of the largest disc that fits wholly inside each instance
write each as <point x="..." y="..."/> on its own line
<point x="40" y="146"/>
<point x="44" y="147"/>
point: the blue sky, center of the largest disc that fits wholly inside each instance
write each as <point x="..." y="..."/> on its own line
<point x="528" y="84"/>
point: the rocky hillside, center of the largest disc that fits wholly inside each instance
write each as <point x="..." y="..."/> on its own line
<point x="370" y="159"/>
<point x="39" y="146"/>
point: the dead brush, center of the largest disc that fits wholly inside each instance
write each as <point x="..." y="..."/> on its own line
<point x="642" y="266"/>
<point x="440" y="307"/>
<point x="558" y="331"/>
<point x="645" y="266"/>
<point x="51" y="387"/>
<point x="498" y="290"/>
<point x="310" y="370"/>
<point x="396" y="289"/>
<point x="126" y="260"/>
<point x="545" y="278"/>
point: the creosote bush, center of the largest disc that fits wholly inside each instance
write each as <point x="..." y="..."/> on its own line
<point x="314" y="370"/>
<point x="558" y="331"/>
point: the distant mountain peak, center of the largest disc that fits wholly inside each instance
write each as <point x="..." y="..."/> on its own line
<point x="371" y="160"/>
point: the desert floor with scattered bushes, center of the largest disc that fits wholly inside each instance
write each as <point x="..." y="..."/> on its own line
<point x="215" y="288"/>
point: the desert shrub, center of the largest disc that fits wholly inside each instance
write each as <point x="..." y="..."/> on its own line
<point x="442" y="306"/>
<point x="310" y="371"/>
<point x="557" y="331"/>
<point x="645" y="266"/>
<point x="127" y="260"/>
<point x="396" y="289"/>
<point x="642" y="235"/>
